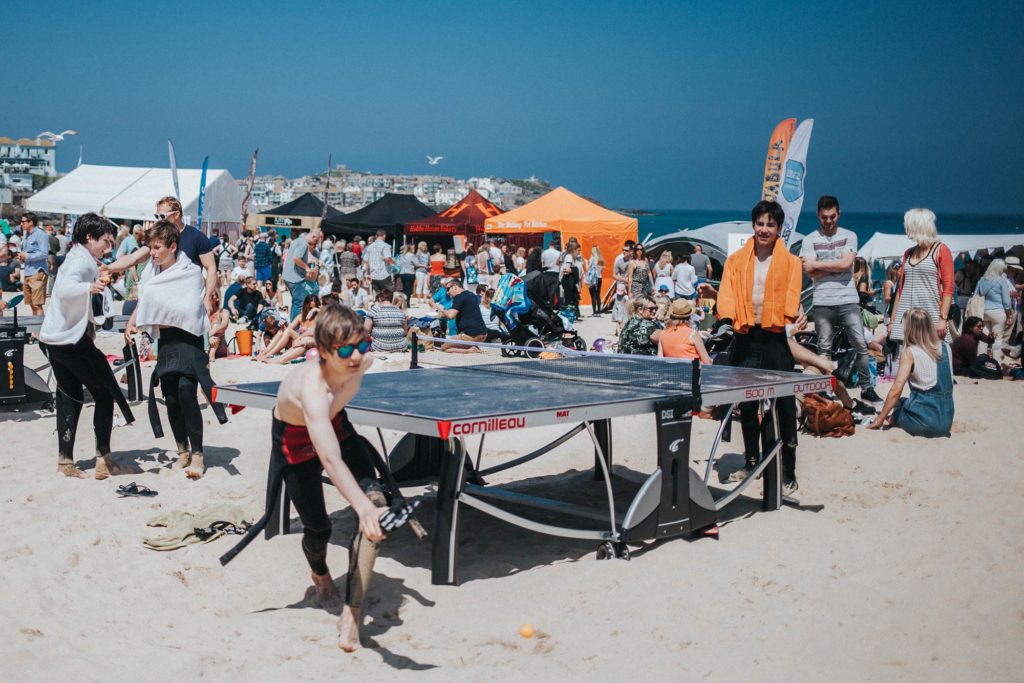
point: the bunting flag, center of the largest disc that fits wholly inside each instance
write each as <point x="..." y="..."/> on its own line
<point x="202" y="194"/>
<point x="327" y="186"/>
<point x="777" y="147"/>
<point x="794" y="175"/>
<point x="249" y="183"/>
<point x="174" y="170"/>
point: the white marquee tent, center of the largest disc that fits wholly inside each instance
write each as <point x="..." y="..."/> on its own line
<point x="130" y="193"/>
<point x="884" y="246"/>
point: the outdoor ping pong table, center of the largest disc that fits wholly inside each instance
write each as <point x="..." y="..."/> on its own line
<point x="32" y="323"/>
<point x="440" y="407"/>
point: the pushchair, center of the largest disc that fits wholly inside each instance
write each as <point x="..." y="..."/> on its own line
<point x="529" y="323"/>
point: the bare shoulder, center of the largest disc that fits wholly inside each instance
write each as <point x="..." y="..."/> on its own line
<point x="301" y="392"/>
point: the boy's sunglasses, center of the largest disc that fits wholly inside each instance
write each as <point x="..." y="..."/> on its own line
<point x="347" y="350"/>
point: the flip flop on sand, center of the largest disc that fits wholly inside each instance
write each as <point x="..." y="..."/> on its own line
<point x="133" y="489"/>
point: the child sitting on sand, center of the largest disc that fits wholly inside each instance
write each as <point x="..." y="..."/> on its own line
<point x="925" y="363"/>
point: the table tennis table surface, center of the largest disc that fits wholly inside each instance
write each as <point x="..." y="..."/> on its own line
<point x="562" y="389"/>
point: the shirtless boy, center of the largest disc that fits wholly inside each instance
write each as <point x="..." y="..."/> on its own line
<point x="309" y="431"/>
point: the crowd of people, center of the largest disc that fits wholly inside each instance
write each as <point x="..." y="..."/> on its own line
<point x="194" y="294"/>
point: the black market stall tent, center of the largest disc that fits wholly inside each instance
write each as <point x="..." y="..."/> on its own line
<point x="389" y="213"/>
<point x="302" y="213"/>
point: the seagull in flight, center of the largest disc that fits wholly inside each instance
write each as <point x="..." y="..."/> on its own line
<point x="433" y="160"/>
<point x="54" y="137"/>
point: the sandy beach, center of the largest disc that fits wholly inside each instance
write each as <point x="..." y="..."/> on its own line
<point x="903" y="563"/>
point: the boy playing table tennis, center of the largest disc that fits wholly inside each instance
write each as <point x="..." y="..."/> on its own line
<point x="311" y="433"/>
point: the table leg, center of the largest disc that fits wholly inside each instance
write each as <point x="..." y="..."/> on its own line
<point x="771" y="478"/>
<point x="447" y="523"/>
<point x="603" y="436"/>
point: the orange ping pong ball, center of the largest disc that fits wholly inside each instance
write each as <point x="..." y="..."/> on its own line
<point x="526" y="631"/>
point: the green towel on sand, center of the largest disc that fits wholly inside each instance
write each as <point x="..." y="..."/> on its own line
<point x="181" y="525"/>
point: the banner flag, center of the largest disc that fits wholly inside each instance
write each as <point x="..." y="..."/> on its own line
<point x="174" y="170"/>
<point x="327" y="186"/>
<point x="777" y="147"/>
<point x="249" y="183"/>
<point x="202" y="195"/>
<point x="794" y="175"/>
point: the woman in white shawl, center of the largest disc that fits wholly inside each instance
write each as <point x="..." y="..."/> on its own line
<point x="67" y="335"/>
<point x="171" y="309"/>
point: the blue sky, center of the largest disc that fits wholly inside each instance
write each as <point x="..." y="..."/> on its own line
<point x="666" y="105"/>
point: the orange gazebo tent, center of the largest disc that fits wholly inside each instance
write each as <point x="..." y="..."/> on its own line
<point x="565" y="212"/>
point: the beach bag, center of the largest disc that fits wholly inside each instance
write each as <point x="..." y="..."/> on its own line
<point x="822" y="417"/>
<point x="590" y="279"/>
<point x="976" y="304"/>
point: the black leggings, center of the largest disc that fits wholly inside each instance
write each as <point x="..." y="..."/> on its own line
<point x="570" y="291"/>
<point x="767" y="351"/>
<point x="595" y="296"/>
<point x="306" y="490"/>
<point x="305" y="487"/>
<point x="74" y="372"/>
<point x="181" y="394"/>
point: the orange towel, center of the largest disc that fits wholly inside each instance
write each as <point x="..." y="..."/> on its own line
<point x="781" y="291"/>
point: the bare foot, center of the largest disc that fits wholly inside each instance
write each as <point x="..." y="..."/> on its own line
<point x="348" y="629"/>
<point x="106" y="467"/>
<point x="68" y="469"/>
<point x="184" y="458"/>
<point x="197" y="469"/>
<point x="325" y="590"/>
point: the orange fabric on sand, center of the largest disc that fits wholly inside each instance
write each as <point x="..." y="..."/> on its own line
<point x="567" y="213"/>
<point x="781" y="291"/>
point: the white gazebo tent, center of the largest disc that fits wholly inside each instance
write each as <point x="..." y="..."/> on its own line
<point x="889" y="247"/>
<point x="130" y="193"/>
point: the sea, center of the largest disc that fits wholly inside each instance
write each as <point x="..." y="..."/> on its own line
<point x="662" y="222"/>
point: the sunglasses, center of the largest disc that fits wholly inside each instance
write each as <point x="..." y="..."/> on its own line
<point x="162" y="216"/>
<point x="347" y="350"/>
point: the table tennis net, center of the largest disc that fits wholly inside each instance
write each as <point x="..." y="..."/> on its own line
<point x="559" y="364"/>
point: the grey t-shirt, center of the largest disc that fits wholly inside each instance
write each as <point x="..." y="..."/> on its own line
<point x="299" y="249"/>
<point x="831" y="289"/>
<point x="700" y="264"/>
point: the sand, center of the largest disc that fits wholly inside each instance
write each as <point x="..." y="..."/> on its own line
<point x="903" y="564"/>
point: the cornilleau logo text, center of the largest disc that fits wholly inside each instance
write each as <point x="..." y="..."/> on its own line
<point x="492" y="424"/>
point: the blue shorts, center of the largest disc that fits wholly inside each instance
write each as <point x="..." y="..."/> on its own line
<point x="263" y="274"/>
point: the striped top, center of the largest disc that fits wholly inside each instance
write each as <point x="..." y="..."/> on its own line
<point x="920" y="290"/>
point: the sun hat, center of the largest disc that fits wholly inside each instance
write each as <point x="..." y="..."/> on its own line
<point x="681" y="309"/>
<point x="663" y="288"/>
<point x="1012" y="262"/>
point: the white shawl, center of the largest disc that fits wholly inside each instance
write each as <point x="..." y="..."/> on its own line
<point x="69" y="311"/>
<point x="172" y="297"/>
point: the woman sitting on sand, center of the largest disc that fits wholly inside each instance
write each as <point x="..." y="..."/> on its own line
<point x="925" y="363"/>
<point x="219" y="320"/>
<point x="640" y="335"/>
<point x="387" y="324"/>
<point x="679" y="339"/>
<point x="298" y="334"/>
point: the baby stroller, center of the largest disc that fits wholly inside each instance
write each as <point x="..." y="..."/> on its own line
<point x="529" y="323"/>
